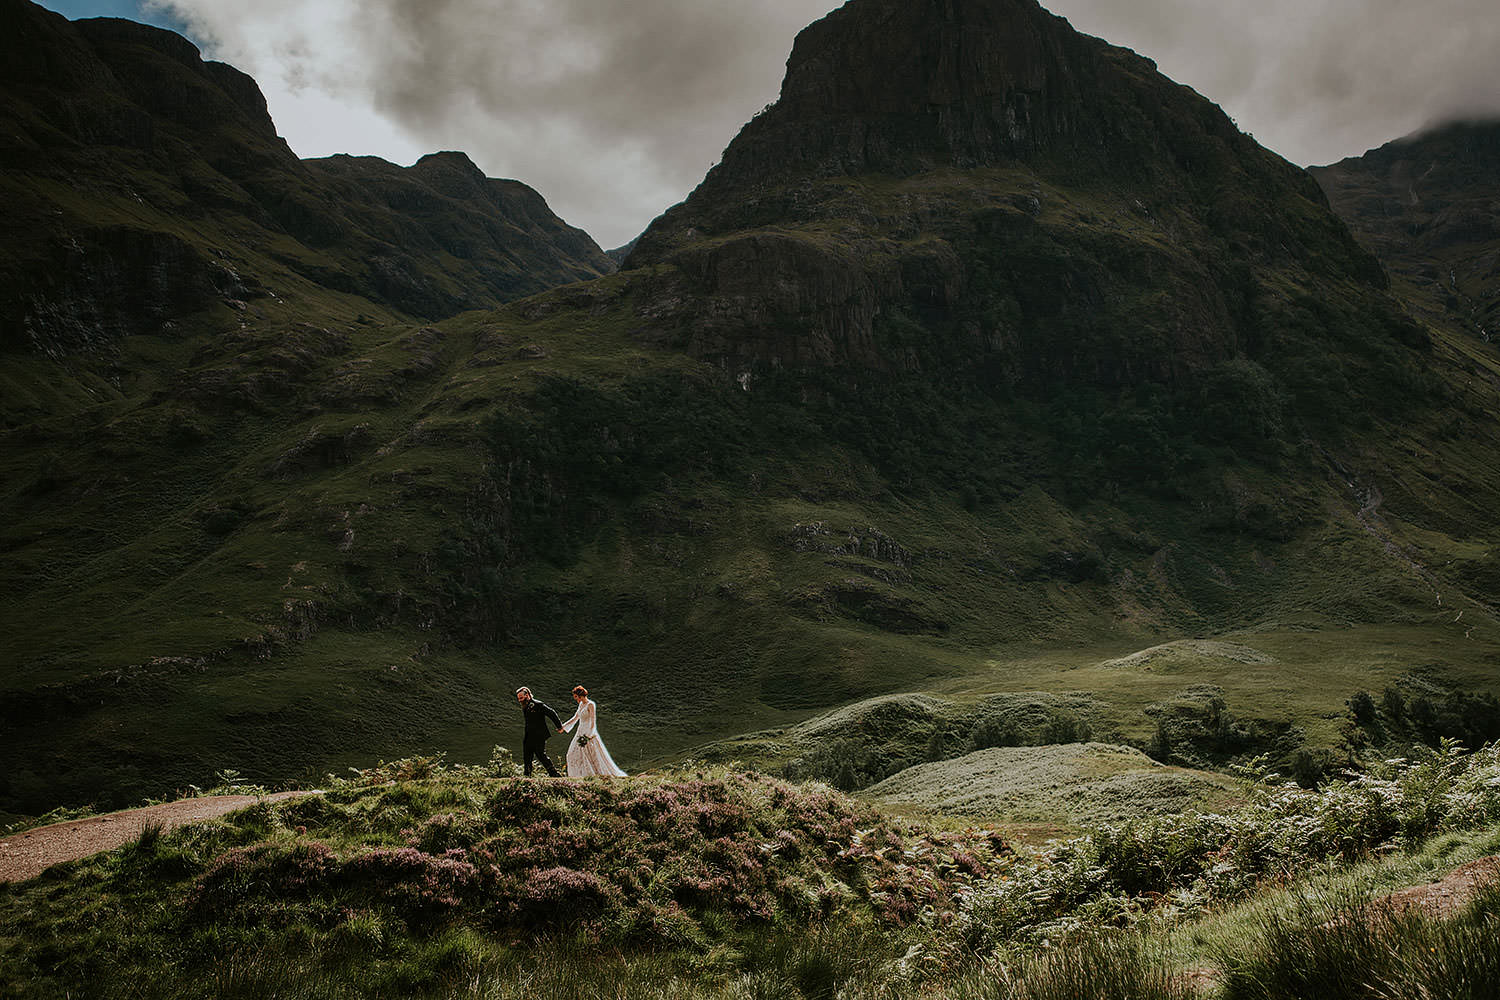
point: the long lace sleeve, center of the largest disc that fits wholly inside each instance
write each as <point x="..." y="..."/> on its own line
<point x="569" y="724"/>
<point x="586" y="726"/>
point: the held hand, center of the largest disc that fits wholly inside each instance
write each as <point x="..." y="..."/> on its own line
<point x="562" y="730"/>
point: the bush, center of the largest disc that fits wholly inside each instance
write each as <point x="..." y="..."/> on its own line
<point x="1394" y="704"/>
<point x="1187" y="862"/>
<point x="991" y="731"/>
<point x="1065" y="728"/>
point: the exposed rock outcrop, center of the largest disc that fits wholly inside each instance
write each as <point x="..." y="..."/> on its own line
<point x="973" y="183"/>
<point x="1427" y="205"/>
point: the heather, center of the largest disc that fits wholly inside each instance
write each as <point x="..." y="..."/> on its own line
<point x="418" y="878"/>
<point x="700" y="865"/>
<point x="679" y="861"/>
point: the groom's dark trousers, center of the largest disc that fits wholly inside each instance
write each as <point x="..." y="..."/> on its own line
<point x="538" y="751"/>
<point x="534" y="743"/>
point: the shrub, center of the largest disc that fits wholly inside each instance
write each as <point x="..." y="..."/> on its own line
<point x="1065" y="728"/>
<point x="1394" y="704"/>
<point x="991" y="731"/>
<point x="1187" y="862"/>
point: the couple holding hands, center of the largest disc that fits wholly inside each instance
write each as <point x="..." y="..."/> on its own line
<point x="586" y="754"/>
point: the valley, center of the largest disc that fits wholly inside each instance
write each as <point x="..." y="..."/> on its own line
<point x="1002" y="505"/>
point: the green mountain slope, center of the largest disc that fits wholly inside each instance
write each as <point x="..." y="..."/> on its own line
<point x="972" y="368"/>
<point x="143" y="186"/>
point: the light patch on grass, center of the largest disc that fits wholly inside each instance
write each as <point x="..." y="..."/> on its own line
<point x="1167" y="653"/>
<point x="1076" y="784"/>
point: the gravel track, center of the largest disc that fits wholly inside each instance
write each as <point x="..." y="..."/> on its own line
<point x="27" y="854"/>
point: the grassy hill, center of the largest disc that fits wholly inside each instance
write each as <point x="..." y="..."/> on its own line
<point x="912" y="420"/>
<point x="415" y="879"/>
<point x="1074" y="786"/>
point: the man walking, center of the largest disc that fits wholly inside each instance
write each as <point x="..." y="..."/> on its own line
<point x="534" y="743"/>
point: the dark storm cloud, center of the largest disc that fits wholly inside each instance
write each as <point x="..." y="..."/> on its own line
<point x="608" y="101"/>
<point x="1317" y="80"/>
<point x="614" y="109"/>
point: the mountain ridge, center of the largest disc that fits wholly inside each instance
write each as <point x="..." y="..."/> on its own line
<point x="125" y="148"/>
<point x="1425" y="203"/>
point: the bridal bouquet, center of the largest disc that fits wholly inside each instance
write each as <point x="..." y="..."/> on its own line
<point x="584" y="741"/>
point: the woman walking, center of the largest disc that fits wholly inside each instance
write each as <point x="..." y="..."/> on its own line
<point x="586" y="754"/>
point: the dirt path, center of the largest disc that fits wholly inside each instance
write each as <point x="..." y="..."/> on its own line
<point x="1444" y="897"/>
<point x="27" y="854"/>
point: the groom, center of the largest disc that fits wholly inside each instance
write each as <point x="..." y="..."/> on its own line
<point x="534" y="743"/>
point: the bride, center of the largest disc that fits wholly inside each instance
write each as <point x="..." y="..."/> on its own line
<point x="586" y="754"/>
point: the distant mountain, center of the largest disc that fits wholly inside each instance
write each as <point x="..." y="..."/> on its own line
<point x="1429" y="206"/>
<point x="986" y="356"/>
<point x="140" y="185"/>
<point x="620" y="253"/>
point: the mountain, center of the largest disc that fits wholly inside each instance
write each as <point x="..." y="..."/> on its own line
<point x="1050" y="206"/>
<point x="143" y="185"/>
<point x="987" y="362"/>
<point x="1429" y="206"/>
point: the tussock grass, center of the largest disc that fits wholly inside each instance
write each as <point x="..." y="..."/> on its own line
<point x="1364" y="950"/>
<point x="1129" y="968"/>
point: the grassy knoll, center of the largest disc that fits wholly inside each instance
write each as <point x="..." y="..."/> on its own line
<point x="418" y="879"/>
<point x="1077" y="785"/>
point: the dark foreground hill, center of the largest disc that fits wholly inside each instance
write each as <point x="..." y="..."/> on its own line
<point x="986" y="356"/>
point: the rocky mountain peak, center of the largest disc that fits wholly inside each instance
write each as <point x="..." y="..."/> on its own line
<point x="900" y="88"/>
<point x="166" y="75"/>
<point x="903" y="58"/>
<point x="452" y="173"/>
<point x="39" y="49"/>
<point x="976" y="174"/>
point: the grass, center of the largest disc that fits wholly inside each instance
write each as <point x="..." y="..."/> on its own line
<point x="1066" y="787"/>
<point x="420" y="878"/>
<point x="1363" y="951"/>
<point x="455" y="876"/>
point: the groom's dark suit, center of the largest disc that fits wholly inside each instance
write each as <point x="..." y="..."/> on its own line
<point x="534" y="743"/>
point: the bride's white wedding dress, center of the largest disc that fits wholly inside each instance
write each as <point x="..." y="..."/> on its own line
<point x="586" y="754"/>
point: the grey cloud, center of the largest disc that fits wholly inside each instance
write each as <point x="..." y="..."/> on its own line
<point x="1318" y="80"/>
<point x="614" y="109"/>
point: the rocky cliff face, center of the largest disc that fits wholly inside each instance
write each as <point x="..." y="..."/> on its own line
<point x="1429" y="206"/>
<point x="1037" y="203"/>
<point x="143" y="184"/>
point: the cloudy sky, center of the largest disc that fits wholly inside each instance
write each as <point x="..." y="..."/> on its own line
<point x="614" y="109"/>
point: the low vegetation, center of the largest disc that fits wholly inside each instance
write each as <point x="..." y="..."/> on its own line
<point x="1365" y="950"/>
<point x="422" y="879"/>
